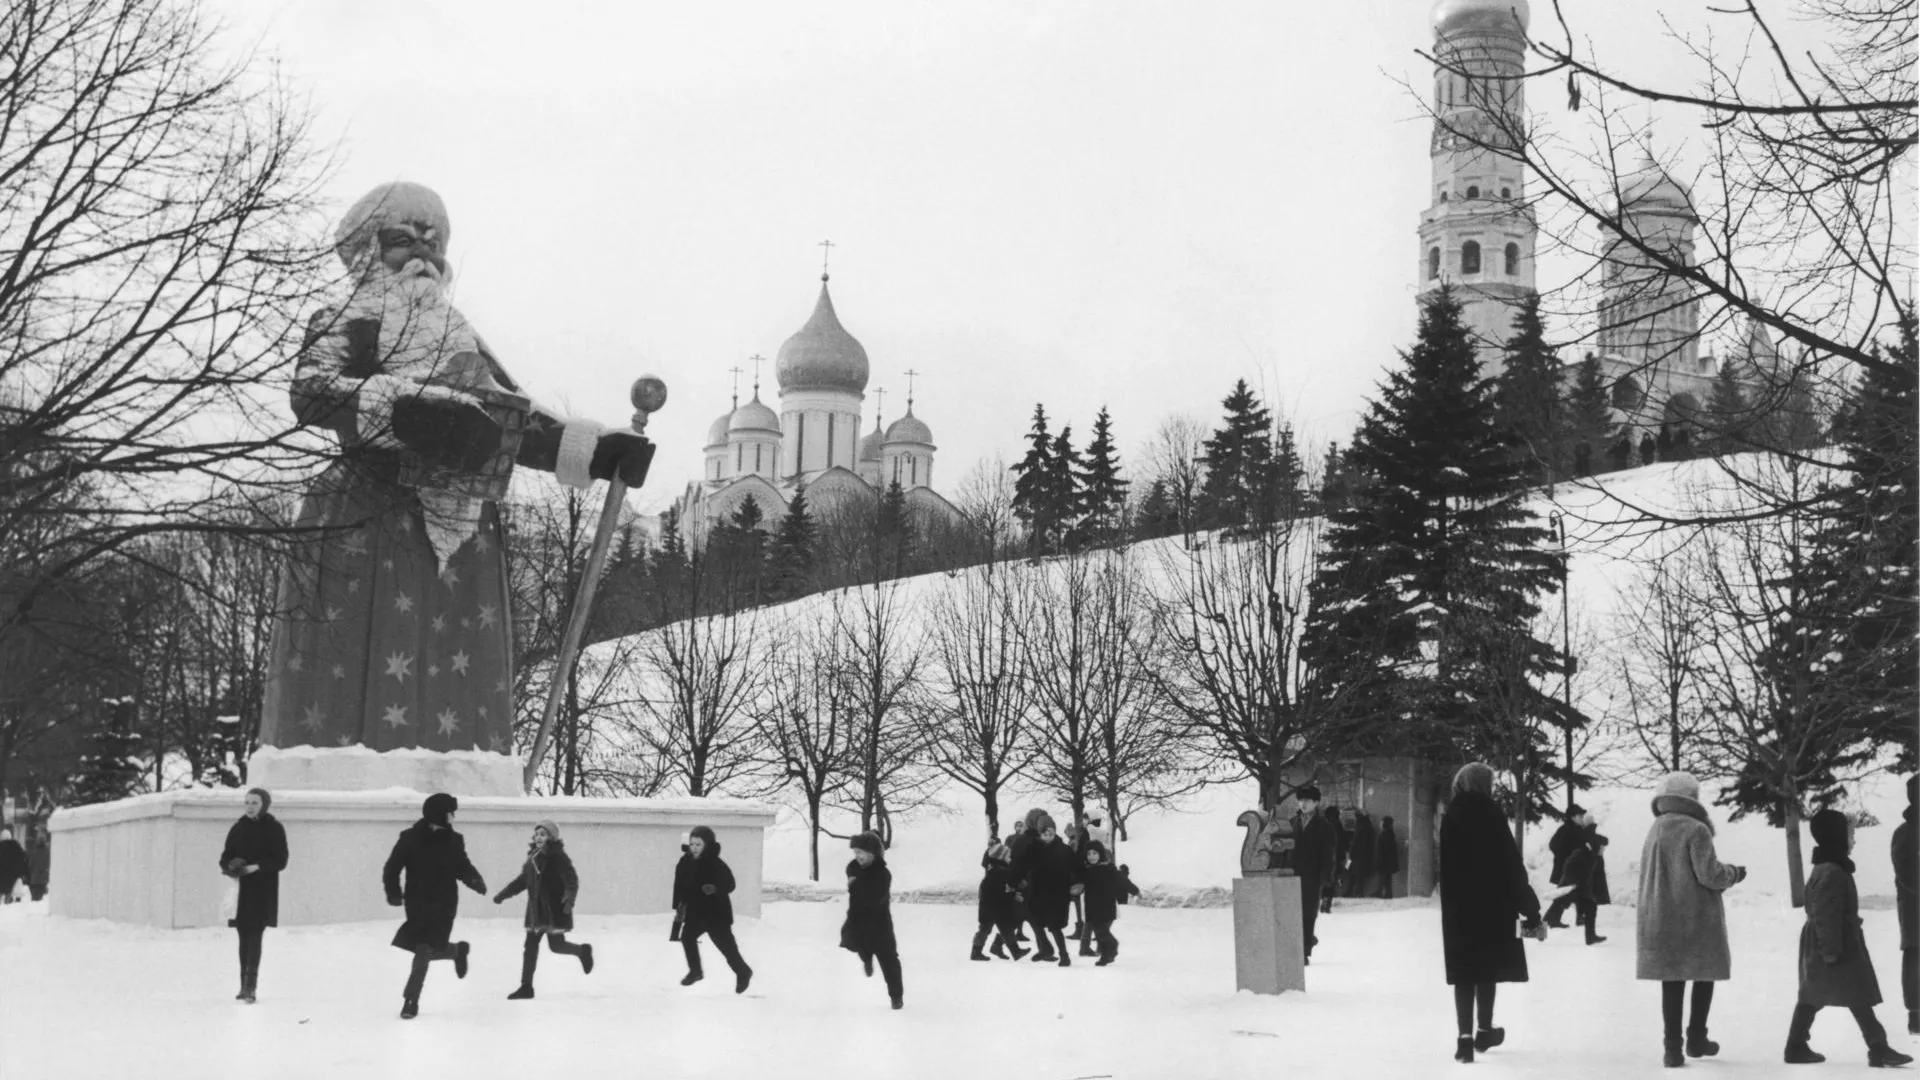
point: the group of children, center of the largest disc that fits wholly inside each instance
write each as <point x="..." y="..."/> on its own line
<point x="1036" y="878"/>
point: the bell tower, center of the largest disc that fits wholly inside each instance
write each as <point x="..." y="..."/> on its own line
<point x="1477" y="233"/>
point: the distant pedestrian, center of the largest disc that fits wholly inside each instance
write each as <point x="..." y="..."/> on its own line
<point x="1835" y="967"/>
<point x="997" y="909"/>
<point x="1076" y="841"/>
<point x="1906" y="890"/>
<point x="551" y="884"/>
<point x="1026" y="837"/>
<point x="1567" y="839"/>
<point x="1681" y="918"/>
<point x="1386" y="860"/>
<point x="1100" y="890"/>
<point x="703" y="891"/>
<point x="1585" y="877"/>
<point x="1051" y="874"/>
<point x="868" y="930"/>
<point x="1127" y="888"/>
<point x="254" y="855"/>
<point x="1313" y="854"/>
<point x="1341" y="840"/>
<point x="1361" y="856"/>
<point x="39" y="863"/>
<point x="1483" y="893"/>
<point x="13" y="864"/>
<point x="428" y="864"/>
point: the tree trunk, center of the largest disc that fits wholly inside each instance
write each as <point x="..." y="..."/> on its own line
<point x="992" y="795"/>
<point x="1796" y="873"/>
<point x="813" y="835"/>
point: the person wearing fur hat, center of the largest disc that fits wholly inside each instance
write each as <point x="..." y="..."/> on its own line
<point x="1100" y="889"/>
<point x="1483" y="893"/>
<point x="254" y="855"/>
<point x="1835" y="968"/>
<point x="1906" y="893"/>
<point x="1026" y="840"/>
<point x="1313" y="862"/>
<point x="868" y="929"/>
<point x="1050" y="891"/>
<point x="702" y="893"/>
<point x="1681" y="920"/>
<point x="549" y="880"/>
<point x="1567" y="839"/>
<point x="1585" y="876"/>
<point x="996" y="906"/>
<point x="428" y="864"/>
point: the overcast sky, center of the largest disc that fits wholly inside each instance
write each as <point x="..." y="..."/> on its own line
<point x="1079" y="203"/>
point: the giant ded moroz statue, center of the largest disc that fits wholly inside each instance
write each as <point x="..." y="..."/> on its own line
<point x="392" y="659"/>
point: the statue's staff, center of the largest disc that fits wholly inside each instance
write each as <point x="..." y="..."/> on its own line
<point x="648" y="395"/>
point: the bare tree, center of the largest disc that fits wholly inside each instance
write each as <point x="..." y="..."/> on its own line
<point x="979" y="688"/>
<point x="1175" y="459"/>
<point x="807" y="720"/>
<point x="1664" y="626"/>
<point x="883" y="665"/>
<point x="985" y="502"/>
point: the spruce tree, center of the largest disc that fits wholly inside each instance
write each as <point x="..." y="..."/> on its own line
<point x="1156" y="516"/>
<point x="108" y="769"/>
<point x="1286" y="480"/>
<point x="1103" y="494"/>
<point x="894" y="533"/>
<point x="1726" y="418"/>
<point x="1065" y="498"/>
<point x="1588" y="430"/>
<point x="1527" y="395"/>
<point x="791" y="557"/>
<point x="1033" y="503"/>
<point x="1430" y="572"/>
<point x="1239" y="483"/>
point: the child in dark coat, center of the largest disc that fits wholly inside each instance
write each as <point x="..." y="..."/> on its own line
<point x="1100" y="890"/>
<point x="868" y="930"/>
<point x="702" y="885"/>
<point x="1586" y="878"/>
<point x="548" y="879"/>
<point x="432" y="860"/>
<point x="1834" y="966"/>
<point x="997" y="911"/>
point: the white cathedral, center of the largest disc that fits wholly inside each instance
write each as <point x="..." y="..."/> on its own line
<point x="814" y="441"/>
<point x="1478" y="233"/>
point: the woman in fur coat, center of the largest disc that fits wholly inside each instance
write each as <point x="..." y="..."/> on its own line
<point x="548" y="879"/>
<point x="1834" y="966"/>
<point x="1681" y="921"/>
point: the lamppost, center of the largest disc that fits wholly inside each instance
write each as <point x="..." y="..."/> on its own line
<point x="1566" y="642"/>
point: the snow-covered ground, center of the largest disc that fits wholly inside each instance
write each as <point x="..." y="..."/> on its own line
<point x="97" y="1000"/>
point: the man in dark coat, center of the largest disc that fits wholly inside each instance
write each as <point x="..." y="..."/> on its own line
<point x="40" y="863"/>
<point x="1386" y="861"/>
<point x="1483" y="893"/>
<point x="1050" y="890"/>
<point x="254" y="855"/>
<point x="868" y="930"/>
<point x="433" y="859"/>
<point x="1313" y="855"/>
<point x="1341" y="839"/>
<point x="1360" y="856"/>
<point x="1906" y="892"/>
<point x="13" y="864"/>
<point x="1567" y="839"/>
<point x="703" y="892"/>
<point x="551" y="884"/>
<point x="1835" y="967"/>
<point x="1585" y="877"/>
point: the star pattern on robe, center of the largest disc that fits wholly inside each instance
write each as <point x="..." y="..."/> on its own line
<point x="316" y="718"/>
<point x="403" y="603"/>
<point x="460" y="661"/>
<point x="481" y="544"/>
<point x="353" y="586"/>
<point x="396" y="715"/>
<point x="357" y="543"/>
<point x="449" y="576"/>
<point x="400" y="665"/>
<point x="386" y="564"/>
<point x="296" y="664"/>
<point x="339" y="671"/>
<point x="449" y="723"/>
<point x="489" y="615"/>
<point x="433" y="671"/>
<point x="439" y="624"/>
<point x="333" y="613"/>
<point x="344" y="740"/>
<point x="493" y="744"/>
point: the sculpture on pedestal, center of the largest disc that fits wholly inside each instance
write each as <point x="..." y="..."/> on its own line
<point x="394" y="629"/>
<point x="1268" y="844"/>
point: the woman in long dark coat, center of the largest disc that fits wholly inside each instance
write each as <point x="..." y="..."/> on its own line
<point x="434" y="860"/>
<point x="1360" y="862"/>
<point x="868" y="931"/>
<point x="1050" y="878"/>
<point x="255" y="853"/>
<point x="702" y="894"/>
<point x="549" y="880"/>
<point x="1835" y="968"/>
<point x="1386" y="860"/>
<point x="1483" y="893"/>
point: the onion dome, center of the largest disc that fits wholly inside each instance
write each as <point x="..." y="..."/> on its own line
<point x="822" y="355"/>
<point x="909" y="429"/>
<point x="870" y="444"/>
<point x="1452" y="16"/>
<point x="1650" y="189"/>
<point x="717" y="434"/>
<point x="754" y="416"/>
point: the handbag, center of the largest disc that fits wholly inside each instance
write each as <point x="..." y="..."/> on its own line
<point x="230" y="901"/>
<point x="679" y="920"/>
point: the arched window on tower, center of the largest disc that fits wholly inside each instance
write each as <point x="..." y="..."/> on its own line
<point x="1473" y="191"/>
<point x="1513" y="260"/>
<point x="1470" y="257"/>
<point x="1433" y="263"/>
<point x="1506" y="193"/>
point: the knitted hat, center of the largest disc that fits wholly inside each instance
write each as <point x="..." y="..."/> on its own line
<point x="1307" y="793"/>
<point x="438" y="807"/>
<point x="1474" y="776"/>
<point x="553" y="830"/>
<point x="865" y="841"/>
<point x="1678" y="783"/>
<point x="1038" y="821"/>
<point x="705" y="835"/>
<point x="1829" y="829"/>
<point x="1100" y="849"/>
<point x="266" y="798"/>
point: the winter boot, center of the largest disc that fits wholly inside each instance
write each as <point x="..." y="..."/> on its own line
<point x="247" y="987"/>
<point x="741" y="980"/>
<point x="460" y="950"/>
<point x="999" y="948"/>
<point x="1106" y="957"/>
<point x="409" y="1008"/>
<point x="979" y="940"/>
<point x="1884" y="1056"/>
<point x="1463" y="1049"/>
<point x="1488" y="1038"/>
<point x="586" y="959"/>
<point x="692" y="977"/>
<point x="1593" y="938"/>
<point x="1799" y="1053"/>
<point x="866" y="965"/>
<point x="1913" y="1021"/>
<point x="1065" y="960"/>
<point x="1672" y="1058"/>
<point x="1698" y="1045"/>
<point x="523" y="994"/>
<point x="898" y="1002"/>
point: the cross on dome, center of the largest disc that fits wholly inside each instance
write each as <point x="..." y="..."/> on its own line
<point x="826" y="253"/>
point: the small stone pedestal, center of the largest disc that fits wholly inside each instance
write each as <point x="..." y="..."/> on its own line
<point x="1268" y="957"/>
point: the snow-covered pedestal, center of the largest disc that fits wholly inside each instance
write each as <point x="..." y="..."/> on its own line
<point x="358" y="768"/>
<point x="153" y="859"/>
<point x="1268" y="955"/>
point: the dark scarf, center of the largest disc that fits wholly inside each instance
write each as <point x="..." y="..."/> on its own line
<point x="1828" y="855"/>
